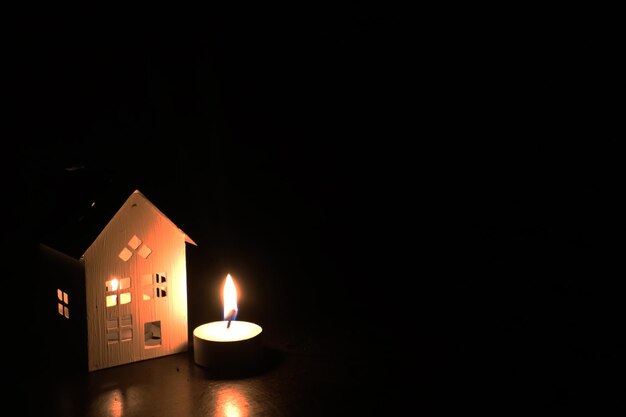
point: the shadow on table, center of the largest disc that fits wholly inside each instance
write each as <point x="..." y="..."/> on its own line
<point x="266" y="360"/>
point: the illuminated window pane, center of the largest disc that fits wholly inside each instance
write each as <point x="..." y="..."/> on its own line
<point x="111" y="300"/>
<point x="144" y="251"/>
<point x="126" y="333"/>
<point x="124" y="283"/>
<point x="147" y="294"/>
<point x="125" y="298"/>
<point x="125" y="254"/>
<point x="62" y="305"/>
<point x="134" y="242"/>
<point x="112" y="285"/>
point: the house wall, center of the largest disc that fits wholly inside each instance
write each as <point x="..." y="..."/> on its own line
<point x="137" y="217"/>
<point x="60" y="322"/>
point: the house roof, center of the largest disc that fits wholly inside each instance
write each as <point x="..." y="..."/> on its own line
<point x="86" y="216"/>
<point x="138" y="193"/>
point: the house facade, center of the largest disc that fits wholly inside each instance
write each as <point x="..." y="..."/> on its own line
<point x="136" y="287"/>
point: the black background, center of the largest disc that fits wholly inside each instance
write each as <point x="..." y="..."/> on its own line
<point x="453" y="185"/>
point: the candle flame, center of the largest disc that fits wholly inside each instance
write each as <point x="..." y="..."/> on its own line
<point x="230" y="299"/>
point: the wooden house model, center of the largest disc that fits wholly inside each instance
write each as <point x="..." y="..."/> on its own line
<point x="130" y="294"/>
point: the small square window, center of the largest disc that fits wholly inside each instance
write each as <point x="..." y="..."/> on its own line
<point x="161" y="292"/>
<point x="60" y="295"/>
<point x="124" y="283"/>
<point x="66" y="312"/>
<point x="60" y="307"/>
<point x="160" y="278"/>
<point x="125" y="298"/>
<point x="112" y="285"/>
<point x="125" y="254"/>
<point x="111" y="300"/>
<point x="134" y="242"/>
<point x="147" y="294"/>
<point x="112" y="323"/>
<point x="144" y="251"/>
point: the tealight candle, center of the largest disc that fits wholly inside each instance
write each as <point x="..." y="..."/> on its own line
<point x="228" y="343"/>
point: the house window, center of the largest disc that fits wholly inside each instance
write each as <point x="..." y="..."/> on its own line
<point x="62" y="304"/>
<point x="111" y="285"/>
<point x="144" y="251"/>
<point x="125" y="298"/>
<point x="125" y="254"/>
<point x="119" y="329"/>
<point x="161" y="289"/>
<point x="111" y="300"/>
<point x="135" y="244"/>
<point x="117" y="291"/>
<point x="152" y="334"/>
<point x="154" y="286"/>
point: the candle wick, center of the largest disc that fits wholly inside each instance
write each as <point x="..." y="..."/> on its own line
<point x="230" y="316"/>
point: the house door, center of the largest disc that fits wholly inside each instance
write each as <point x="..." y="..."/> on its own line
<point x="153" y="291"/>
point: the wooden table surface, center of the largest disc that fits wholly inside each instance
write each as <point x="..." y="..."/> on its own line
<point x="297" y="375"/>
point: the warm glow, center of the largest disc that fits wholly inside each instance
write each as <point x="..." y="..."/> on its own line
<point x="230" y="297"/>
<point x="230" y="402"/>
<point x="111" y="300"/>
<point x="114" y="284"/>
<point x="111" y="401"/>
